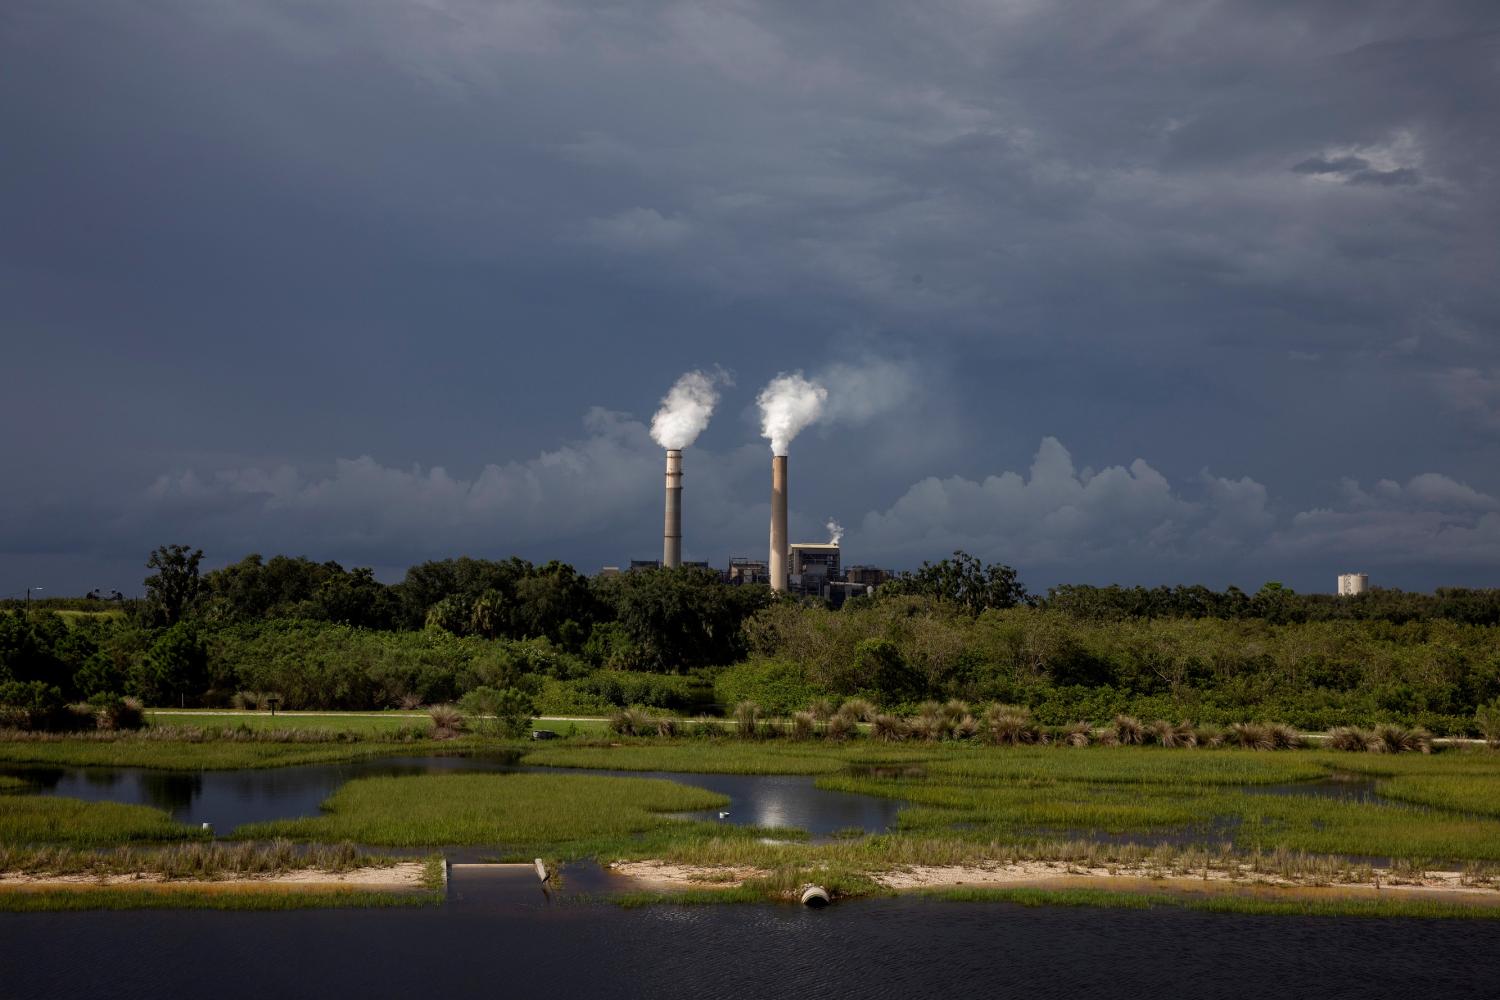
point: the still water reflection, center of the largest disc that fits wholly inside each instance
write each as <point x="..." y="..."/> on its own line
<point x="230" y="798"/>
<point x="880" y="948"/>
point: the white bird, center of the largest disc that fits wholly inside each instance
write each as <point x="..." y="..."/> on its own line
<point x="723" y="815"/>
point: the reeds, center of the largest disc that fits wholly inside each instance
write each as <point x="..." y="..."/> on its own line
<point x="1079" y="734"/>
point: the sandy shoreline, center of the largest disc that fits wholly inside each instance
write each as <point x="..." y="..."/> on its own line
<point x="1057" y="875"/>
<point x="406" y="875"/>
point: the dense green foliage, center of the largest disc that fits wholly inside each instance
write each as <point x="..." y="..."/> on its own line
<point x="1313" y="675"/>
<point x="317" y="636"/>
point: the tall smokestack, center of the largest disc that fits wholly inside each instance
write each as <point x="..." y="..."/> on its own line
<point x="671" y="542"/>
<point x="778" y="523"/>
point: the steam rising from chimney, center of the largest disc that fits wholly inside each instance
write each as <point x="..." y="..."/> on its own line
<point x="686" y="408"/>
<point x="835" y="531"/>
<point x="788" y="403"/>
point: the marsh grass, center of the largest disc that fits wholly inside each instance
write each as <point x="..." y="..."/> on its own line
<point x="729" y="756"/>
<point x="168" y="896"/>
<point x="565" y="813"/>
<point x="198" y="861"/>
<point x="46" y="819"/>
<point x="9" y="784"/>
<point x="149" y="750"/>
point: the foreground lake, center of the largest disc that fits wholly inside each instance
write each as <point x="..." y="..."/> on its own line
<point x="496" y="947"/>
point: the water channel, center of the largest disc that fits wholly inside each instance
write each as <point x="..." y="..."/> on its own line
<point x="877" y="948"/>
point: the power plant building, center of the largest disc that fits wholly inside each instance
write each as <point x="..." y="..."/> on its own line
<point x="1353" y="583"/>
<point x="814" y="561"/>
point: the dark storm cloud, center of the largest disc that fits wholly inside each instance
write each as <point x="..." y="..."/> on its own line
<point x="341" y="277"/>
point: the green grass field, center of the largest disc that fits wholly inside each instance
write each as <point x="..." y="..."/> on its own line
<point x="530" y="812"/>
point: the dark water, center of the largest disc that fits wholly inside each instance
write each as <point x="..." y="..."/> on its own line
<point x="228" y="799"/>
<point x="880" y="948"/>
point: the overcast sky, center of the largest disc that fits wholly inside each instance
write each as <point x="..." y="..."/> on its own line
<point x="1124" y="291"/>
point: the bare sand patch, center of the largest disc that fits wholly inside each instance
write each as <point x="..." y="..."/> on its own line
<point x="1058" y="874"/>
<point x="666" y="875"/>
<point x="406" y="875"/>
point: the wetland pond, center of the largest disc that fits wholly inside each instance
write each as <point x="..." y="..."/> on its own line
<point x="228" y="799"/>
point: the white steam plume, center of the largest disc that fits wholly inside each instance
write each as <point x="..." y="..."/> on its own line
<point x="685" y="409"/>
<point x="835" y="531"/>
<point x="788" y="403"/>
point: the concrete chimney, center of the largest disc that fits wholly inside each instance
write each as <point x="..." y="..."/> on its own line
<point x="671" y="542"/>
<point x="778" y="523"/>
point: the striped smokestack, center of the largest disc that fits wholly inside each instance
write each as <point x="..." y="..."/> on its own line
<point x="671" y="543"/>
<point x="778" y="523"/>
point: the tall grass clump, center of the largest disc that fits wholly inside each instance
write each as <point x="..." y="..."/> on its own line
<point x="804" y="726"/>
<point x="747" y="717"/>
<point x="822" y="709"/>
<point x="1391" y="738"/>
<point x="1128" y="731"/>
<point x="840" y="727"/>
<point x="859" y="710"/>
<point x="1350" y="739"/>
<point x="447" y="722"/>
<point x="891" y="728"/>
<point x="1079" y="734"/>
<point x="1168" y="734"/>
<point x="1010" y="725"/>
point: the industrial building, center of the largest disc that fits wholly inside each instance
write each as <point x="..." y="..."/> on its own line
<point x="1353" y="583"/>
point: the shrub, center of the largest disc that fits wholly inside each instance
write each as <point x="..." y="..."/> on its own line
<point x="1009" y="725"/>
<point x="804" y="726"/>
<point x="708" y="726"/>
<point x="631" y="722"/>
<point x="666" y="726"/>
<point x="890" y="728"/>
<point x="1079" y="734"/>
<point x="113" y="713"/>
<point x="1350" y="739"/>
<point x="1398" y="739"/>
<point x="1129" y="731"/>
<point x="778" y="687"/>
<point x="859" y="710"/>
<point x="1167" y="734"/>
<point x="1251" y="736"/>
<point x="505" y="712"/>
<point x="747" y="719"/>
<point x="447" y="722"/>
<point x="822" y="709"/>
<point x="1487" y="719"/>
<point x="966" y="728"/>
<point x="955" y="709"/>
<point x="840" y="727"/>
<point x="1208" y="735"/>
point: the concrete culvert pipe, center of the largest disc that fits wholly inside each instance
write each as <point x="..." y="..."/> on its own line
<point x="815" y="896"/>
